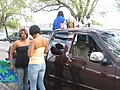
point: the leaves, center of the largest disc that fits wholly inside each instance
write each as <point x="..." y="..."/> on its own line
<point x="12" y="9"/>
<point x="79" y="9"/>
<point x="118" y="4"/>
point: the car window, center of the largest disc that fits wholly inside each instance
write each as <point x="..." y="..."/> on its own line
<point x="112" y="40"/>
<point x="113" y="44"/>
<point x="82" y="46"/>
<point x="59" y="39"/>
<point x="78" y="48"/>
<point x="46" y="33"/>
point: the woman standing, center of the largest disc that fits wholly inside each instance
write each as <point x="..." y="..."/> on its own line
<point x="22" y="59"/>
<point x="36" y="68"/>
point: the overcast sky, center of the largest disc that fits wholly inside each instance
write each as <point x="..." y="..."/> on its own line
<point x="112" y="18"/>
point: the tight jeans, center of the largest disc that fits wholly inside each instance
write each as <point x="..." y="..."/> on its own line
<point x="36" y="76"/>
<point x="22" y="74"/>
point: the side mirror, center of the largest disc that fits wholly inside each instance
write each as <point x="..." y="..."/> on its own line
<point x="96" y="56"/>
<point x="57" y="49"/>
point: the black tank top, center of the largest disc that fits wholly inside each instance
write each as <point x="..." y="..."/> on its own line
<point x="22" y="58"/>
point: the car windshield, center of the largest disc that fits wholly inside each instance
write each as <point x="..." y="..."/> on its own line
<point x="46" y="33"/>
<point x="113" y="43"/>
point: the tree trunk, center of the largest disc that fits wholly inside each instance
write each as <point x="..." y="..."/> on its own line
<point x="6" y="31"/>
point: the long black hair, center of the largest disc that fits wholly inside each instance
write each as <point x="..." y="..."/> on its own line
<point x="60" y="13"/>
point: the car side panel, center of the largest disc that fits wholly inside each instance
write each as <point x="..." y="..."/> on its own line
<point x="117" y="77"/>
<point x="92" y="75"/>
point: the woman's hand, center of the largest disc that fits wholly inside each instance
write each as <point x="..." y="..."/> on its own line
<point x="12" y="67"/>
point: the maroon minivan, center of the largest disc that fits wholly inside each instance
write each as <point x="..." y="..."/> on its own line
<point x="84" y="59"/>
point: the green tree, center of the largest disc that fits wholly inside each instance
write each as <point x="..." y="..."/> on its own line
<point x="118" y="4"/>
<point x="11" y="13"/>
<point x="79" y="9"/>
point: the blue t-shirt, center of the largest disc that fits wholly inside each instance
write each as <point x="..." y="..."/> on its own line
<point x="57" y="21"/>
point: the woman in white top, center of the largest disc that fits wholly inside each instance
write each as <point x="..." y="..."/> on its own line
<point x="36" y="68"/>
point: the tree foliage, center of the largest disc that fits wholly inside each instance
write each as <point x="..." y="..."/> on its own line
<point x="79" y="9"/>
<point x="118" y="4"/>
<point x="11" y="13"/>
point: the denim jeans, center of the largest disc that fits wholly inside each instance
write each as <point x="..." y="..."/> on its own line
<point x="36" y="74"/>
<point x="22" y="74"/>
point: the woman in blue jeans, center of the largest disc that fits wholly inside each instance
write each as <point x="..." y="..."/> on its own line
<point x="22" y="59"/>
<point x="37" y="49"/>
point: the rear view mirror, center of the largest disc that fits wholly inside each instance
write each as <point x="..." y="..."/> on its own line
<point x="96" y="56"/>
<point x="57" y="49"/>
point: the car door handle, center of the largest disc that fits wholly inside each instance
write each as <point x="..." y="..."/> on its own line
<point x="67" y="65"/>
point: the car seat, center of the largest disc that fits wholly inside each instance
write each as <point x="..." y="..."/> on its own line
<point x="80" y="49"/>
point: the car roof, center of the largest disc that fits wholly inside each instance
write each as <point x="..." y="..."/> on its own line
<point x="46" y="30"/>
<point x="79" y="30"/>
<point x="89" y="30"/>
<point x="102" y="32"/>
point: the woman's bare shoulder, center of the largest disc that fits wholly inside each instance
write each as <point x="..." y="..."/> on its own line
<point x="33" y="41"/>
<point x="45" y="39"/>
<point x="16" y="42"/>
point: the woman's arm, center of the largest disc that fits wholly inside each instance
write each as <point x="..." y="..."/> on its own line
<point x="12" y="50"/>
<point x="31" y="48"/>
<point x="46" y="47"/>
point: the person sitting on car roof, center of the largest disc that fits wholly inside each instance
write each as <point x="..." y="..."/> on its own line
<point x="60" y="20"/>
